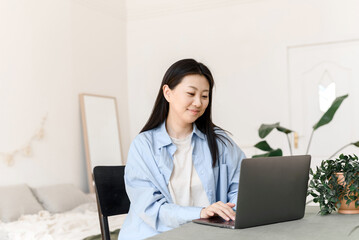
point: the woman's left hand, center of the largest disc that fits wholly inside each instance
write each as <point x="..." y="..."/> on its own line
<point x="221" y="209"/>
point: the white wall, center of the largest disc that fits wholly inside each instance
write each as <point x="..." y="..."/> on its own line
<point x="50" y="51"/>
<point x="244" y="43"/>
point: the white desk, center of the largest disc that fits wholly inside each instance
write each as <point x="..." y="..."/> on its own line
<point x="312" y="227"/>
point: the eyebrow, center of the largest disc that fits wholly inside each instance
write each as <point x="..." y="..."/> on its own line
<point x="197" y="89"/>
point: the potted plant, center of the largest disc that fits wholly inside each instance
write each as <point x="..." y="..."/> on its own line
<point x="335" y="185"/>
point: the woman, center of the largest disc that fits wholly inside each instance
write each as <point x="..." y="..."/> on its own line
<point x="181" y="166"/>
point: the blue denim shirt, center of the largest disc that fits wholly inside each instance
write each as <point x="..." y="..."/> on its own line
<point x="148" y="171"/>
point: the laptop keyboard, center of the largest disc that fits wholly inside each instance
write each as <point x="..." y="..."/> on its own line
<point x="216" y="221"/>
<point x="221" y="221"/>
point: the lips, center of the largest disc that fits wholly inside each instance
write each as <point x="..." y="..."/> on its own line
<point x="194" y="112"/>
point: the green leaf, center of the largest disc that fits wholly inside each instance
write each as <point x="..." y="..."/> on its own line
<point x="329" y="114"/>
<point x="273" y="153"/>
<point x="283" y="129"/>
<point x="276" y="152"/>
<point x="264" y="146"/>
<point x="265" y="129"/>
<point x="356" y="144"/>
<point x="352" y="197"/>
<point x="314" y="194"/>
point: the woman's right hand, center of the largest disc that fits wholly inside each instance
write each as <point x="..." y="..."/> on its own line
<point x="221" y="209"/>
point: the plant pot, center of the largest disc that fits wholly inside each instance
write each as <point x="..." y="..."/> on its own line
<point x="344" y="208"/>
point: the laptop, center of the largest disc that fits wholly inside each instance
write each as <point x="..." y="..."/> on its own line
<point x="271" y="190"/>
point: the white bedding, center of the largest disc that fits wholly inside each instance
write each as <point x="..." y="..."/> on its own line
<point x="76" y="224"/>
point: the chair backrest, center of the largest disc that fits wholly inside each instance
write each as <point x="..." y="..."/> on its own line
<point x="110" y="190"/>
<point x="111" y="195"/>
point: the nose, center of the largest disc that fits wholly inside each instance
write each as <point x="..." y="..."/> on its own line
<point x="197" y="102"/>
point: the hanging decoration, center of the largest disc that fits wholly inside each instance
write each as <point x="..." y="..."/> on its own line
<point x="26" y="149"/>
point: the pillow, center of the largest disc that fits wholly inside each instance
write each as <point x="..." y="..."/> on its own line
<point x="17" y="200"/>
<point x="60" y="198"/>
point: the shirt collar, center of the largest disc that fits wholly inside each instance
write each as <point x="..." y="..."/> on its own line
<point x="198" y="132"/>
<point x="163" y="139"/>
<point x="161" y="136"/>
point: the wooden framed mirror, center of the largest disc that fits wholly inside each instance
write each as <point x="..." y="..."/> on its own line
<point x="100" y="132"/>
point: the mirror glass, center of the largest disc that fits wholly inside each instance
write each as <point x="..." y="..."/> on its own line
<point x="101" y="132"/>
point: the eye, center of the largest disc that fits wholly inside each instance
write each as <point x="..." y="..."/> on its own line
<point x="204" y="97"/>
<point x="191" y="94"/>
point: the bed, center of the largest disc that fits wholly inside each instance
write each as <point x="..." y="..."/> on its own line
<point x="50" y="213"/>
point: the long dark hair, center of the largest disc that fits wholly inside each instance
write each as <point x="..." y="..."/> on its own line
<point x="172" y="78"/>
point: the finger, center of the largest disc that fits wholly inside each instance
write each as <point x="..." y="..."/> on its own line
<point x="207" y="213"/>
<point x="222" y="211"/>
<point x="210" y="213"/>
<point x="231" y="204"/>
<point x="225" y="205"/>
<point x="226" y="209"/>
<point x="222" y="214"/>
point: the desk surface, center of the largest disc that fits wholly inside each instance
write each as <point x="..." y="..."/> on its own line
<point x="312" y="226"/>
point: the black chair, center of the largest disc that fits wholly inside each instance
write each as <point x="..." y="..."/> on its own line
<point x="111" y="194"/>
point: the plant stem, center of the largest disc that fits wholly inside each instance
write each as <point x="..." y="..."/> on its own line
<point x="310" y="141"/>
<point x="340" y="150"/>
<point x="290" y="145"/>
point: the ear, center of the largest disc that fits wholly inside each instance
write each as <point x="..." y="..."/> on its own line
<point x="166" y="92"/>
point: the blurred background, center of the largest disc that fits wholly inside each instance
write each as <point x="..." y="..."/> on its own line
<point x="272" y="60"/>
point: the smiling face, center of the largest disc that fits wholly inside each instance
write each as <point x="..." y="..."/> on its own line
<point x="188" y="100"/>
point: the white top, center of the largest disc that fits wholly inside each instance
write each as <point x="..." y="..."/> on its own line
<point x="185" y="186"/>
